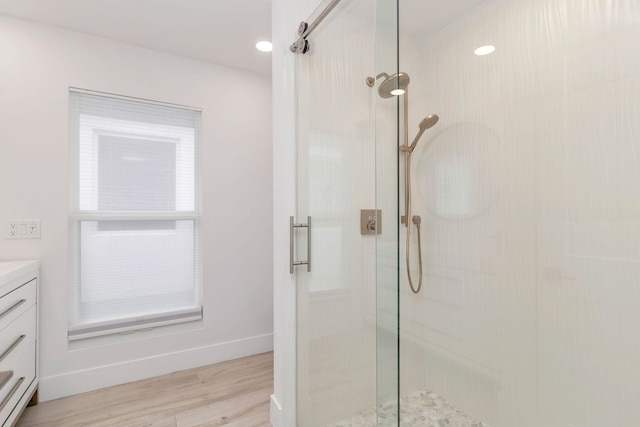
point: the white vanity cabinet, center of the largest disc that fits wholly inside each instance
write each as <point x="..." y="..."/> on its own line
<point x="18" y="338"/>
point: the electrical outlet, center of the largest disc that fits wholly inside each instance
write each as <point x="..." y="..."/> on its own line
<point x="11" y="230"/>
<point x="22" y="229"/>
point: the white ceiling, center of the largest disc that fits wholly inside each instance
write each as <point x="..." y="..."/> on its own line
<point x="218" y="31"/>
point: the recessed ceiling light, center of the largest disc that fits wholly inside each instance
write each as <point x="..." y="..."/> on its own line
<point x="397" y="92"/>
<point x="264" y="46"/>
<point x="484" y="50"/>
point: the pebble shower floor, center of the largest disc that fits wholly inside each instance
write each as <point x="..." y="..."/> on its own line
<point x="420" y="409"/>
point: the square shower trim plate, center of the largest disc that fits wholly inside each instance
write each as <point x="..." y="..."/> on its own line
<point x="370" y="222"/>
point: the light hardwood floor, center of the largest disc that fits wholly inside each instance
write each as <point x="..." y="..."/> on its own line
<point x="234" y="393"/>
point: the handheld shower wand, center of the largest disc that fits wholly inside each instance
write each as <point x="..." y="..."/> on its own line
<point x="407" y="149"/>
<point x="425" y="124"/>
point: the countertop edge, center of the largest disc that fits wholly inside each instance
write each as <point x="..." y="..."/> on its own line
<point x="12" y="269"/>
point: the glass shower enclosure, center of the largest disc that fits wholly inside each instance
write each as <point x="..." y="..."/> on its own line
<point x="528" y="193"/>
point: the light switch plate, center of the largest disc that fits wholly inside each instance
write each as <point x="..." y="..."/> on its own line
<point x="22" y="229"/>
<point x="33" y="228"/>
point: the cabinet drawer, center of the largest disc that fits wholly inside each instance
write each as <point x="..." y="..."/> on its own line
<point x="13" y="304"/>
<point x="17" y="336"/>
<point x="23" y="374"/>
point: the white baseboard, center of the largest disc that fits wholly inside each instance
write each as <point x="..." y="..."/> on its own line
<point x="71" y="383"/>
<point x="275" y="413"/>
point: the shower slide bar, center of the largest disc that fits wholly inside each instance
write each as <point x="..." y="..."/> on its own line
<point x="304" y="29"/>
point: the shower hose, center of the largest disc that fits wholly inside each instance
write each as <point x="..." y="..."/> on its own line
<point x="416" y="220"/>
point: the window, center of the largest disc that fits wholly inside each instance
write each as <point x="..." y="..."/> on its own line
<point x="135" y="214"/>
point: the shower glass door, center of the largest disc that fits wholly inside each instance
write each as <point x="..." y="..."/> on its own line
<point x="347" y="342"/>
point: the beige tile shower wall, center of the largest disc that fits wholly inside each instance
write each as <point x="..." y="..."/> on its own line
<point x="530" y="197"/>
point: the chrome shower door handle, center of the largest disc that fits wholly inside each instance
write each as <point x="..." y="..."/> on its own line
<point x="292" y="228"/>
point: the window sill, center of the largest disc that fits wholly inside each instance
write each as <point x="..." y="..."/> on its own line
<point x="140" y="334"/>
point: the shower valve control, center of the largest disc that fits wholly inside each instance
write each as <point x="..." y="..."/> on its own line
<point x="370" y="222"/>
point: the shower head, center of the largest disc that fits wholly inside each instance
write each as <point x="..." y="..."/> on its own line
<point x="393" y="85"/>
<point x="426" y="123"/>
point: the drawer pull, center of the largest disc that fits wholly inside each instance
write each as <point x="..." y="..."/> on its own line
<point x="13" y="307"/>
<point x="13" y="346"/>
<point x="15" y="388"/>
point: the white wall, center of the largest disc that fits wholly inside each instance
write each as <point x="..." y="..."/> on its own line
<point x="37" y="66"/>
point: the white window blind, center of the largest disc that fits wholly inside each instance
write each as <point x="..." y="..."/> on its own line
<point x="135" y="215"/>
